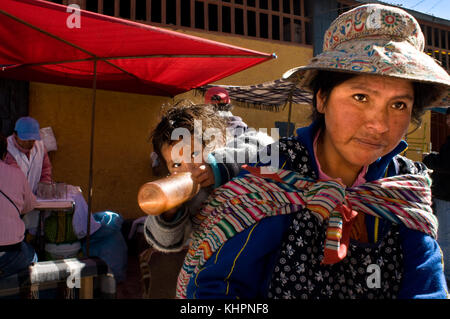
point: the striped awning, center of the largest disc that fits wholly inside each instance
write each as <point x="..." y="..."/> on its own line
<point x="273" y="95"/>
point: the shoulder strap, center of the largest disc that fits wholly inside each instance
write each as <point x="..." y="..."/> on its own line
<point x="11" y="202"/>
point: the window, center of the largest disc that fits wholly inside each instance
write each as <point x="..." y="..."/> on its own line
<point x="284" y="20"/>
<point x="108" y="7"/>
<point x="251" y="23"/>
<point x="155" y="15"/>
<point x="275" y="5"/>
<point x="436" y="37"/>
<point x="141" y="10"/>
<point x="297" y="8"/>
<point x="264" y="4"/>
<point x="125" y="9"/>
<point x="429" y="35"/>
<point x="226" y="19"/>
<point x="275" y="27"/>
<point x="287" y="6"/>
<point x="263" y="25"/>
<point x="298" y="31"/>
<point x="185" y="18"/>
<point x="199" y="15"/>
<point x="239" y="21"/>
<point x="212" y="17"/>
<point x="287" y="29"/>
<point x="444" y="45"/>
<point x="171" y="12"/>
<point x="448" y="40"/>
<point x="437" y="41"/>
<point x="91" y="5"/>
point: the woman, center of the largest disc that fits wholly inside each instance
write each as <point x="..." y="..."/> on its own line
<point x="345" y="216"/>
<point x="16" y="199"/>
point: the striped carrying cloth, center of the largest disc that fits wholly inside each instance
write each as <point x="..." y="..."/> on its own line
<point x="244" y="201"/>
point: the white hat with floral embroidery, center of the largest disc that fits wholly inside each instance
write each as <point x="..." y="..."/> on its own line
<point x="380" y="40"/>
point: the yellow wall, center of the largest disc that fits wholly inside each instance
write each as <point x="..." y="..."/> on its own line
<point x="123" y="121"/>
<point x="419" y="139"/>
<point x="121" y="154"/>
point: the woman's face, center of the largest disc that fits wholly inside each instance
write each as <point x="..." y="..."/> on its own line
<point x="365" y="118"/>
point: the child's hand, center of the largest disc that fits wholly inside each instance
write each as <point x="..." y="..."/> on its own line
<point x="203" y="175"/>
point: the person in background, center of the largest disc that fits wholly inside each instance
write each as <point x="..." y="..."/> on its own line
<point x="220" y="99"/>
<point x="16" y="199"/>
<point x="27" y="151"/>
<point x="440" y="164"/>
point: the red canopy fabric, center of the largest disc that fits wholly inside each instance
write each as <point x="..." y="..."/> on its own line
<point x="36" y="44"/>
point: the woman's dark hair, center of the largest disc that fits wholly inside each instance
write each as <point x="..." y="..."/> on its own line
<point x="325" y="81"/>
<point x="182" y="115"/>
<point x="3" y="146"/>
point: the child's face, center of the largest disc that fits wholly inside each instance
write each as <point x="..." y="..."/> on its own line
<point x="365" y="118"/>
<point x="176" y="159"/>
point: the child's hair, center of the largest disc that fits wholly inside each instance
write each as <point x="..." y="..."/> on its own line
<point x="327" y="80"/>
<point x="182" y="115"/>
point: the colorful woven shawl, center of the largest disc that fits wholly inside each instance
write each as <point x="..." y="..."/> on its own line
<point x="244" y="201"/>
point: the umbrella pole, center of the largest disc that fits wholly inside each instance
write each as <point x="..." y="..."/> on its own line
<point x="91" y="159"/>
<point x="289" y="118"/>
<point x="291" y="93"/>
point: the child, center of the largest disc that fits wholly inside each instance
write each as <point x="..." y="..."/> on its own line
<point x="210" y="167"/>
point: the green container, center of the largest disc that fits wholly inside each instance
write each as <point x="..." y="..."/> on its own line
<point x="58" y="228"/>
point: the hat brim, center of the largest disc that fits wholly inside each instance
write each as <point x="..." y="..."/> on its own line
<point x="29" y="136"/>
<point x="377" y="57"/>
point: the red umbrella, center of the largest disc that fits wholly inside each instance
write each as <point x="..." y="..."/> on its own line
<point x="38" y="44"/>
<point x="46" y="42"/>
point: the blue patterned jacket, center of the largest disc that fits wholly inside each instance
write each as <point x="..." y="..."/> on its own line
<point x="243" y="266"/>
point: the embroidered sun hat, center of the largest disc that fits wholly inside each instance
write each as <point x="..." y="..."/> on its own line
<point x="380" y="40"/>
<point x="27" y="128"/>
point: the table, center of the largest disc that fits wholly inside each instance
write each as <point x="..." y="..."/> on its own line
<point x="54" y="204"/>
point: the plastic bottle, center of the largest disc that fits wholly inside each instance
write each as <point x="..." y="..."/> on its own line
<point x="158" y="196"/>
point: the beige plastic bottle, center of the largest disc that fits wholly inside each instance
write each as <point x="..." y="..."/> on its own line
<point x="156" y="197"/>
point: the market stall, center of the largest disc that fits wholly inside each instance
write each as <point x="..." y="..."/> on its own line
<point x="51" y="43"/>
